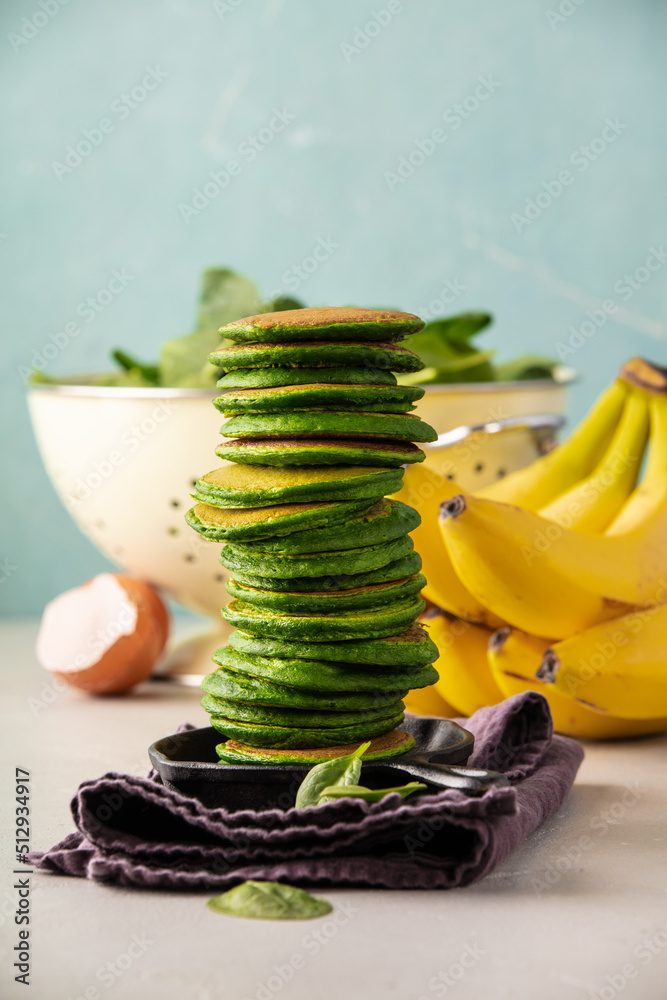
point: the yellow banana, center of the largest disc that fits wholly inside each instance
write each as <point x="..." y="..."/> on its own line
<point x="505" y="558"/>
<point x="551" y="581"/>
<point x="548" y="477"/>
<point x="651" y="494"/>
<point x="515" y="656"/>
<point x="594" y="501"/>
<point x="465" y="679"/>
<point x="619" y="667"/>
<point x="425" y="489"/>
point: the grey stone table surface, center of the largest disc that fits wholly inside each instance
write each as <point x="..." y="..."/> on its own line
<point x="578" y="912"/>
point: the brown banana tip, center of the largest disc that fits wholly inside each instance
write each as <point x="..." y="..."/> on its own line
<point x="430" y="612"/>
<point x="453" y="507"/>
<point x="498" y="639"/>
<point x="644" y="374"/>
<point x="549" y="667"/>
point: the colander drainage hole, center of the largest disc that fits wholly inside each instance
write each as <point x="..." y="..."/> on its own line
<point x="175" y="503"/>
<point x="479" y="467"/>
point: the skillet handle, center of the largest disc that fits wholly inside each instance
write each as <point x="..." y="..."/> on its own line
<point x="470" y="780"/>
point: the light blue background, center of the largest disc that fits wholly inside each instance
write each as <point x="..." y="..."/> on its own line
<point x="323" y="176"/>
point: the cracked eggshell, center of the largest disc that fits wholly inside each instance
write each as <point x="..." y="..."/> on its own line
<point x="105" y="636"/>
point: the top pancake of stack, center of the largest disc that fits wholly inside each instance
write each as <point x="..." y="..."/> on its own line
<point x="321" y="324"/>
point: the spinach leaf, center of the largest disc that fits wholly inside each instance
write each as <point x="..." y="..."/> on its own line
<point x="527" y="366"/>
<point x="446" y="339"/>
<point x="369" y="794"/>
<point x="444" y="347"/>
<point x="470" y="368"/>
<point x="269" y="901"/>
<point x="225" y="296"/>
<point x="330" y="773"/>
<point x="456" y="331"/>
<point x="38" y="377"/>
<point x="281" y="303"/>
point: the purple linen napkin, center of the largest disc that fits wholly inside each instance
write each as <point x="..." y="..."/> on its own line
<point x="135" y="832"/>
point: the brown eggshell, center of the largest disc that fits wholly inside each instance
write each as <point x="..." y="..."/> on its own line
<point x="146" y="596"/>
<point x="104" y="636"/>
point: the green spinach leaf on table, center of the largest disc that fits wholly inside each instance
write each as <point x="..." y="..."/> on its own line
<point x="269" y="901"/>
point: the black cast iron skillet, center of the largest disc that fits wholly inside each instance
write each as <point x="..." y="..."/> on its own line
<point x="187" y="763"/>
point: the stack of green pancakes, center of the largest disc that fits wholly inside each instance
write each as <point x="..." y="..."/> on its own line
<point x="325" y="581"/>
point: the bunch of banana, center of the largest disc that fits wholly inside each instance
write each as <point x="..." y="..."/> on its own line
<point x="555" y="577"/>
